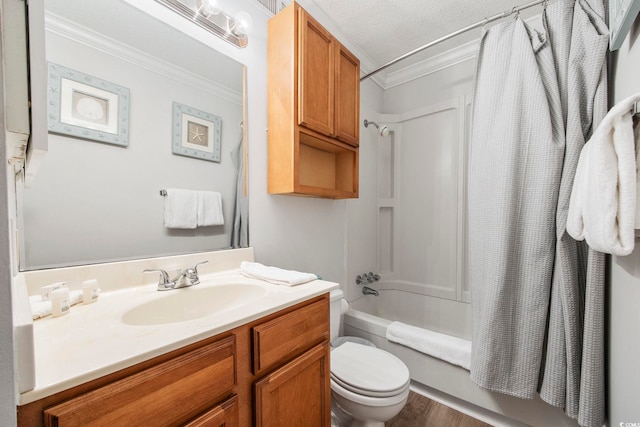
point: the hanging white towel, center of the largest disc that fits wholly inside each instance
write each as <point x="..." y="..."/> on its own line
<point x="180" y="208"/>
<point x="274" y="274"/>
<point x="209" y="208"/>
<point x="602" y="209"/>
<point x="454" y="350"/>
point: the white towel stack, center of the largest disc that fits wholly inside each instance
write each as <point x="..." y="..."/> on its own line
<point x="40" y="308"/>
<point x="191" y="209"/>
<point x="275" y="275"/>
<point x="603" y="209"/>
<point x="446" y="347"/>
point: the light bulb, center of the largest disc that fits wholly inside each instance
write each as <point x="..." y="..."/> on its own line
<point x="207" y="8"/>
<point x="242" y="24"/>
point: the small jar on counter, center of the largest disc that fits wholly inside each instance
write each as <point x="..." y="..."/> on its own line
<point x="60" y="302"/>
<point x="90" y="291"/>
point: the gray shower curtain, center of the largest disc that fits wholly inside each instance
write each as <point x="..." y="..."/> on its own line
<point x="537" y="295"/>
<point x="240" y="227"/>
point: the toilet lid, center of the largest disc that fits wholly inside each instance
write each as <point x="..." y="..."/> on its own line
<point x="368" y="370"/>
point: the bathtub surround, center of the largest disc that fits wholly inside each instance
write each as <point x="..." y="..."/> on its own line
<point x="526" y="272"/>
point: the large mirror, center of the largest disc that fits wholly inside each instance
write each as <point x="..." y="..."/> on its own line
<point x="94" y="201"/>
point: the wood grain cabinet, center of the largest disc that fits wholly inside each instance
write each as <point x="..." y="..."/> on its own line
<point x="170" y="393"/>
<point x="294" y="351"/>
<point x="313" y="107"/>
<point x="273" y="371"/>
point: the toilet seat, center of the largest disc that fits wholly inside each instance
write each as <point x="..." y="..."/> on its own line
<point x="368" y="371"/>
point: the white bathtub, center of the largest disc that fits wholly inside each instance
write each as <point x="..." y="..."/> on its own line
<point x="368" y="317"/>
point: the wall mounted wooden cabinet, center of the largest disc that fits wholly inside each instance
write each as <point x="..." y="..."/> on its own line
<point x="314" y="109"/>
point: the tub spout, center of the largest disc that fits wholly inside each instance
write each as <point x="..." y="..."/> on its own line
<point x="369" y="291"/>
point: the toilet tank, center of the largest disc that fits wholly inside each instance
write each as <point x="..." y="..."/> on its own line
<point x="335" y="312"/>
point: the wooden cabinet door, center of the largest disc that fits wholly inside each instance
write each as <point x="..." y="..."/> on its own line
<point x="347" y="118"/>
<point x="223" y="415"/>
<point x="298" y="394"/>
<point x="316" y="78"/>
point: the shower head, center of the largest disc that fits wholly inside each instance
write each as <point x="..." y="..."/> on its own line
<point x="382" y="130"/>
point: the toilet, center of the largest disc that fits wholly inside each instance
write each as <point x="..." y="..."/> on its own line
<point x="368" y="385"/>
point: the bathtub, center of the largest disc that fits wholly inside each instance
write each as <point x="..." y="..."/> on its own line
<point x="368" y="317"/>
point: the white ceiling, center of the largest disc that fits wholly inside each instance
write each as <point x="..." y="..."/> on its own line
<point x="387" y="29"/>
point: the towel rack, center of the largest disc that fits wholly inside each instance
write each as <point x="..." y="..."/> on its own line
<point x="163" y="193"/>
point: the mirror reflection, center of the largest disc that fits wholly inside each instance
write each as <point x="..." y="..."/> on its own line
<point x="93" y="201"/>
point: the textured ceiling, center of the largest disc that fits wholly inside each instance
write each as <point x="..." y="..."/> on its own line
<point x="386" y="29"/>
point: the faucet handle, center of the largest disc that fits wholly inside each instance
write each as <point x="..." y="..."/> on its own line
<point x="164" y="276"/>
<point x="164" y="282"/>
<point x="192" y="273"/>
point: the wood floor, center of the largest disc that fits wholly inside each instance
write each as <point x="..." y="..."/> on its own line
<point x="422" y="412"/>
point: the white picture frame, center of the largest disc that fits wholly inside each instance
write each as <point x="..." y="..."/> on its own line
<point x="87" y="107"/>
<point x="195" y="133"/>
<point x="622" y="13"/>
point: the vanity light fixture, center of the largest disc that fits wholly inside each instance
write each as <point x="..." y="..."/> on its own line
<point x="208" y="15"/>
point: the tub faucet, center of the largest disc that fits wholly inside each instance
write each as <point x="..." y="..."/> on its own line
<point x="369" y="291"/>
<point x="184" y="278"/>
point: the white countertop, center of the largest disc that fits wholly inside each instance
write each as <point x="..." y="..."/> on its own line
<point x="92" y="340"/>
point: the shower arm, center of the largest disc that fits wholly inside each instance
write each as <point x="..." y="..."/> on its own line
<point x="382" y="130"/>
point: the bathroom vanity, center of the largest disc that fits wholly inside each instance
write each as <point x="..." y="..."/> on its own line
<point x="262" y="360"/>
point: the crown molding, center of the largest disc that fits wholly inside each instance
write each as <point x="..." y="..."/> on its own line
<point x="457" y="55"/>
<point x="63" y="27"/>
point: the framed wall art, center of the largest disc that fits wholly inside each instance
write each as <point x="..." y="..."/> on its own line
<point x="87" y="107"/>
<point x="622" y="13"/>
<point x="195" y="133"/>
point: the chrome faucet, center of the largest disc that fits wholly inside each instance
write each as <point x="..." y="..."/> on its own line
<point x="183" y="279"/>
<point x="369" y="291"/>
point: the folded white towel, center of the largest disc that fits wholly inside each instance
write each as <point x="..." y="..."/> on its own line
<point x="209" y="208"/>
<point x="40" y="308"/>
<point x="274" y="274"/>
<point x="602" y="209"/>
<point x="180" y="208"/>
<point x="454" y="350"/>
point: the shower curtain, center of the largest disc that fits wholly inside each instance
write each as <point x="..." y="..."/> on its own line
<point x="537" y="294"/>
<point x="240" y="226"/>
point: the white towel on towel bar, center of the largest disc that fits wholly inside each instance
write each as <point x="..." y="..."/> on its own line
<point x="209" y="208"/>
<point x="454" y="350"/>
<point x="275" y="275"/>
<point x="180" y="208"/>
<point x="603" y="208"/>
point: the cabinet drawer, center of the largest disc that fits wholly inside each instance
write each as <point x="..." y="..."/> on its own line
<point x="223" y="415"/>
<point x="288" y="336"/>
<point x="167" y="394"/>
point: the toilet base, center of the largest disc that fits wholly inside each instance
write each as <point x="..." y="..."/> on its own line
<point x="357" y="423"/>
<point x="347" y="413"/>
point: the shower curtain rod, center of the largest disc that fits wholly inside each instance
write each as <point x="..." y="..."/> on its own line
<point x="515" y="9"/>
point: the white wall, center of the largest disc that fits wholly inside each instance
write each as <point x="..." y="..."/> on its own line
<point x="624" y="284"/>
<point x="362" y="218"/>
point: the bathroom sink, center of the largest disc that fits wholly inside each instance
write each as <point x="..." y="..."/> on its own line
<point x="191" y="303"/>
